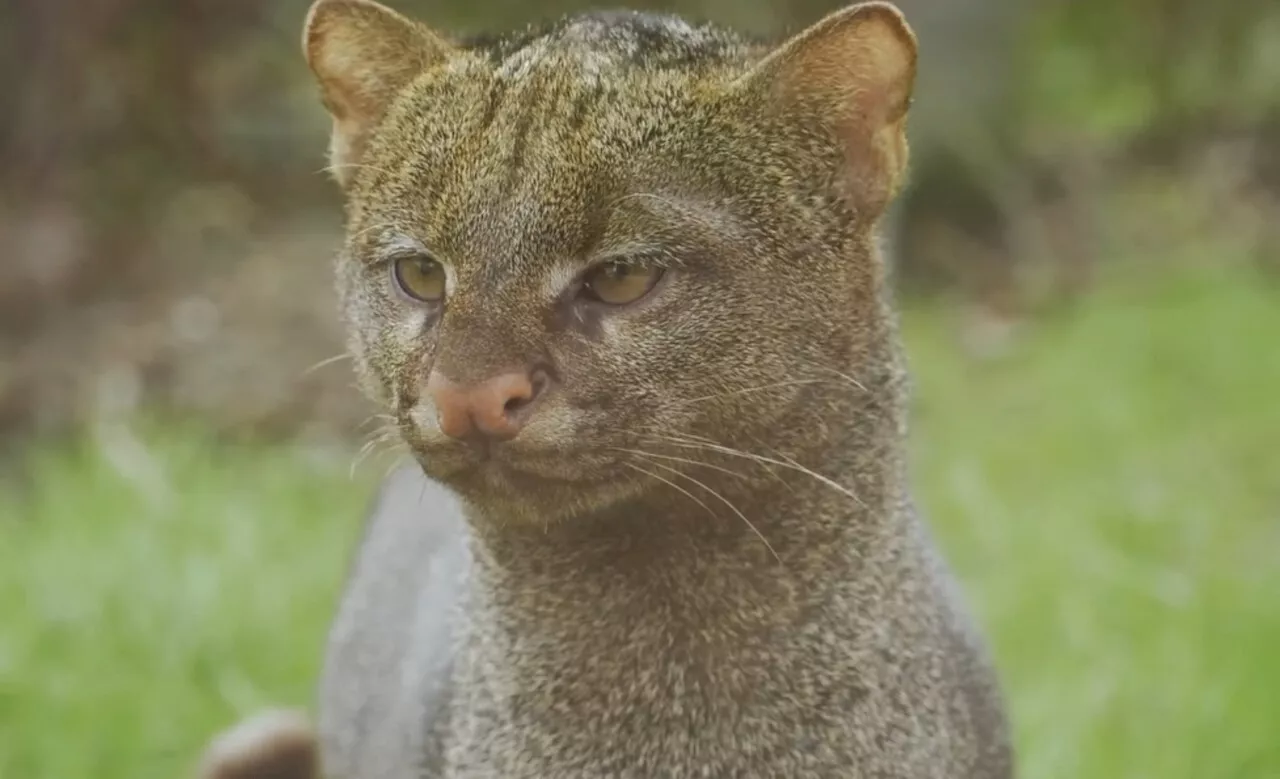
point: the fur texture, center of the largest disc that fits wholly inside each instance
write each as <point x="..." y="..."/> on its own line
<point x="699" y="557"/>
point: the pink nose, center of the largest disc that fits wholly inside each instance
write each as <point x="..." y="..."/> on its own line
<point x="497" y="407"/>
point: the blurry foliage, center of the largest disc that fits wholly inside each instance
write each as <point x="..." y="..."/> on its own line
<point x="165" y="223"/>
<point x="1167" y="67"/>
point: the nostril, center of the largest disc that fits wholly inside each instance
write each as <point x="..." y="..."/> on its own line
<point x="515" y="404"/>
<point x="538" y="382"/>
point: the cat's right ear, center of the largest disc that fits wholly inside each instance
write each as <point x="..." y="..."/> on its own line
<point x="851" y="73"/>
<point x="363" y="54"/>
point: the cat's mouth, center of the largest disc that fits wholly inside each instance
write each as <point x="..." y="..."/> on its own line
<point x="506" y="467"/>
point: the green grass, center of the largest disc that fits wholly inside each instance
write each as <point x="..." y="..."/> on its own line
<point x="1109" y="490"/>
<point x="149" y="596"/>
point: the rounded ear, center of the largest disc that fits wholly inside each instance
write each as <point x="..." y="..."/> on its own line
<point x="362" y="55"/>
<point x="852" y="72"/>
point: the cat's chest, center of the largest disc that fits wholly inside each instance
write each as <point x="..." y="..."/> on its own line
<point x="844" y="745"/>
<point x="673" y="749"/>
<point x="660" y="723"/>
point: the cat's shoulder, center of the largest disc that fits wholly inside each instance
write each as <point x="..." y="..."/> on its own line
<point x="390" y="648"/>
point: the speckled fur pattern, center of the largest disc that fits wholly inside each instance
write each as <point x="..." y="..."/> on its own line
<point x="700" y="557"/>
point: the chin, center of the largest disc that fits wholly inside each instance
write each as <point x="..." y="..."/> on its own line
<point x="546" y="489"/>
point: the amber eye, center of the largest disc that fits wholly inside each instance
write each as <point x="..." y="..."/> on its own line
<point x="420" y="277"/>
<point x="619" y="283"/>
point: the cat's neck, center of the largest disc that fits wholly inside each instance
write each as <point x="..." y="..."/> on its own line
<point x="620" y="636"/>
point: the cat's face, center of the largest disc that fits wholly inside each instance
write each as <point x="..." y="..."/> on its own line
<point x="554" y="280"/>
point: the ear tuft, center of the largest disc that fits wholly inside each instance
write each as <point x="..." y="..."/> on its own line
<point x="853" y="72"/>
<point x="363" y="54"/>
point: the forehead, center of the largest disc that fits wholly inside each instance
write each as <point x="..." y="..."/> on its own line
<point x="616" y="41"/>
<point x="523" y="146"/>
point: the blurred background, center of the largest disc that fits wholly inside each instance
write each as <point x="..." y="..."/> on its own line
<point x="1088" y="259"/>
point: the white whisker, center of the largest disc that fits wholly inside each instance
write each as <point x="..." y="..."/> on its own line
<point x="325" y="362"/>
<point x="691" y="444"/>
<point x="723" y="500"/>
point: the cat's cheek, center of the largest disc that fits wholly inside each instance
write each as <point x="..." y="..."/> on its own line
<point x="628" y="334"/>
<point x="402" y="339"/>
<point x="613" y="333"/>
<point x="422" y="420"/>
<point x="406" y="330"/>
<point x="558" y="427"/>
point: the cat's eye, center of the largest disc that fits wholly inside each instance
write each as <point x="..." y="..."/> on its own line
<point x="420" y="277"/>
<point x="619" y="283"/>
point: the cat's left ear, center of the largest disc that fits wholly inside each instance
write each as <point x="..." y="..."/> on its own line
<point x="363" y="54"/>
<point x="853" y="73"/>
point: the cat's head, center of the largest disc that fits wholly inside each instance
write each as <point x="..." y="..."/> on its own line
<point x="620" y="233"/>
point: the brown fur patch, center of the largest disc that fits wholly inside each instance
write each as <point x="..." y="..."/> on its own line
<point x="271" y="745"/>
